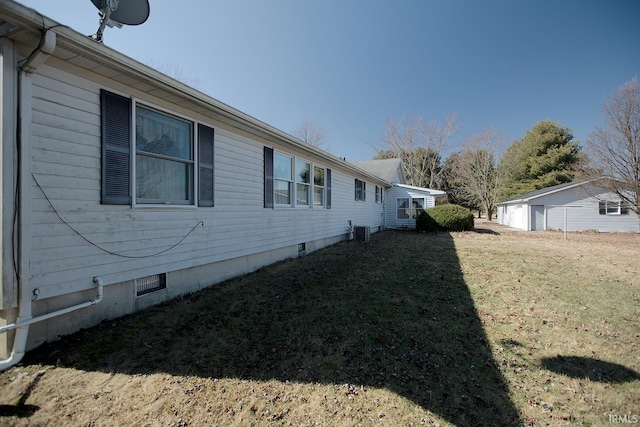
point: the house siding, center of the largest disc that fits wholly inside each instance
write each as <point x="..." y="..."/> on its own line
<point x="396" y="192"/>
<point x="582" y="212"/>
<point x="73" y="237"/>
<point x="580" y="204"/>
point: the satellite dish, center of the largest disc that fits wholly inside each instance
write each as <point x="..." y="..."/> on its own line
<point x="116" y="13"/>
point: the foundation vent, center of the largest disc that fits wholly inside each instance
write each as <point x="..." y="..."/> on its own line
<point x="148" y="284"/>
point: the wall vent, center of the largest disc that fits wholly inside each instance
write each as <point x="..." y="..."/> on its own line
<point x="362" y="234"/>
<point x="302" y="247"/>
<point x="148" y="284"/>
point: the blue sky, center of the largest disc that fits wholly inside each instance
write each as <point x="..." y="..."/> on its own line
<point x="348" y="66"/>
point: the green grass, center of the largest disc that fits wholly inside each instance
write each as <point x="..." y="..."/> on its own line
<point x="409" y="329"/>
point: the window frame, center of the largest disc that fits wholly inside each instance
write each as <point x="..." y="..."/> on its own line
<point x="410" y="210"/>
<point x="360" y="190"/>
<point x="271" y="178"/>
<point x="323" y="188"/>
<point x="415" y="211"/>
<point x="605" y="208"/>
<point x="138" y="154"/>
<point x="290" y="180"/>
<point x="406" y="210"/>
<point x="300" y="183"/>
<point x="379" y="199"/>
<point x="118" y="115"/>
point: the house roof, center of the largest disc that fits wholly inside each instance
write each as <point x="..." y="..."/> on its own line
<point x="25" y="26"/>
<point x="388" y="169"/>
<point x="544" y="192"/>
<point x="432" y="192"/>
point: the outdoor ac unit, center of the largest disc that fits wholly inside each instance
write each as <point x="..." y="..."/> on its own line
<point x="363" y="234"/>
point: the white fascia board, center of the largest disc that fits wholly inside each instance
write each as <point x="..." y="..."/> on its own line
<point x="33" y="22"/>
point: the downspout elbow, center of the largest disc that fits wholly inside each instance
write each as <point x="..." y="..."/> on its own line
<point x="22" y="326"/>
<point x="100" y="284"/>
<point x="19" y="349"/>
<point x="44" y="50"/>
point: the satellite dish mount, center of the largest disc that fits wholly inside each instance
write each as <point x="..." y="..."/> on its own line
<point x="116" y="13"/>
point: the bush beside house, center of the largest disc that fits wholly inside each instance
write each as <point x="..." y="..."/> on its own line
<point x="445" y="218"/>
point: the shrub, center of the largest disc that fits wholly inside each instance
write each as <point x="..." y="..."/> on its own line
<point x="446" y="218"/>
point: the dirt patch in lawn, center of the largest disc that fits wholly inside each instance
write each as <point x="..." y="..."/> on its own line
<point x="496" y="327"/>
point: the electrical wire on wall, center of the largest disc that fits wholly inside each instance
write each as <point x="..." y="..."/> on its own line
<point x="18" y="123"/>
<point x="102" y="248"/>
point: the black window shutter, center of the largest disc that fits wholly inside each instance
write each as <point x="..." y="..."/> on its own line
<point x="116" y="148"/>
<point x="205" y="165"/>
<point x="328" y="188"/>
<point x="268" y="177"/>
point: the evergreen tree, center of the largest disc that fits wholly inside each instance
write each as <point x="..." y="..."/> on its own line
<point x="545" y="156"/>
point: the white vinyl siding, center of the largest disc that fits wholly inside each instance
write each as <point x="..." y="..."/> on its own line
<point x="406" y="202"/>
<point x="120" y="243"/>
<point x="578" y="207"/>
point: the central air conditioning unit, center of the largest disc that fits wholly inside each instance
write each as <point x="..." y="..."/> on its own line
<point x="362" y="233"/>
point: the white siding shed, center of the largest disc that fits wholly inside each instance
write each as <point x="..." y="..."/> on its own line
<point x="575" y="206"/>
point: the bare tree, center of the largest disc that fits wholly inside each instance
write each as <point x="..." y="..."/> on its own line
<point x="174" y="71"/>
<point x="311" y="134"/>
<point x="476" y="170"/>
<point x="614" y="149"/>
<point x="419" y="143"/>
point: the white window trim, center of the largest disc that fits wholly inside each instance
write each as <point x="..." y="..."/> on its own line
<point x="291" y="181"/>
<point x="309" y="185"/>
<point x="294" y="184"/>
<point x="379" y="195"/>
<point x="323" y="187"/>
<point x="134" y="152"/>
<point x="424" y="206"/>
<point x="606" y="207"/>
<point x="411" y="208"/>
<point x="398" y="208"/>
<point x="364" y="191"/>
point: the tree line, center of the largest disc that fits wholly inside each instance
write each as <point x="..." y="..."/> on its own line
<point x="481" y="172"/>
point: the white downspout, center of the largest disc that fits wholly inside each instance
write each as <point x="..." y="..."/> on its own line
<point x="25" y="319"/>
<point x="45" y="48"/>
<point x="22" y="325"/>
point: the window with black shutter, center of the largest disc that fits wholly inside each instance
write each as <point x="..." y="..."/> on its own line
<point x="268" y="177"/>
<point x="157" y="159"/>
<point x="328" y="188"/>
<point x="116" y="149"/>
<point x="205" y="164"/>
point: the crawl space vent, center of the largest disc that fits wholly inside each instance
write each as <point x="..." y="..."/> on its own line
<point x="147" y="284"/>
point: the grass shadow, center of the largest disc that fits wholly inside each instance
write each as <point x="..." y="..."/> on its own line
<point x="21" y="409"/>
<point x="593" y="369"/>
<point x="394" y="313"/>
<point x="481" y="230"/>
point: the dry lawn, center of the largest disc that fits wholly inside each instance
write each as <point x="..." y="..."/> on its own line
<point x="492" y="327"/>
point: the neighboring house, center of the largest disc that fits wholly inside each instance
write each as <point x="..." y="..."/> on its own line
<point x="402" y="202"/>
<point x="123" y="188"/>
<point x="574" y="206"/>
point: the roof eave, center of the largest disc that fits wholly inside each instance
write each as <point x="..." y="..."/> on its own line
<point x="30" y="21"/>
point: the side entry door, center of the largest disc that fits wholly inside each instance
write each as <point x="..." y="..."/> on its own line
<point x="537" y="217"/>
